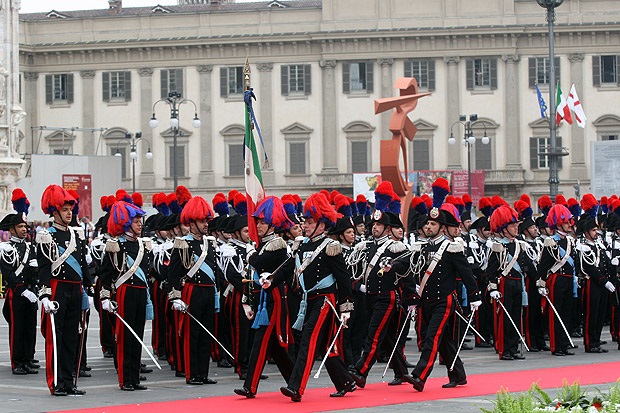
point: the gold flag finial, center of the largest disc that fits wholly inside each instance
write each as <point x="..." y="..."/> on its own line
<point x="246" y="73"/>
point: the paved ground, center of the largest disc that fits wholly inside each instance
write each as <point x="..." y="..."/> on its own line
<point x="30" y="394"/>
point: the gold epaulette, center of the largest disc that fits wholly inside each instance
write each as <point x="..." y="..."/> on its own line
<point x="549" y="242"/>
<point x="397" y="247"/>
<point x="333" y="248"/>
<point x="148" y="244"/>
<point x="44" y="237"/>
<point x="111" y="245"/>
<point x="455" y="246"/>
<point x="275" y="244"/>
<point x="180" y="243"/>
<point x="497" y="247"/>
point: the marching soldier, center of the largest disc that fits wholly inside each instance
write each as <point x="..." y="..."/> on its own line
<point x="125" y="288"/>
<point x="271" y="267"/>
<point x="435" y="268"/>
<point x="594" y="267"/>
<point x="193" y="275"/>
<point x="324" y="281"/>
<point x="62" y="266"/>
<point x="557" y="281"/>
<point x="18" y="266"/>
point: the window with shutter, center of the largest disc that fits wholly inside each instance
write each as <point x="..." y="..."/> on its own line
<point x="539" y="150"/>
<point x="297" y="158"/>
<point x="540" y="70"/>
<point x="359" y="156"/>
<point x="421" y="154"/>
<point x="423" y="71"/>
<point x="609" y="69"/>
<point x="180" y="160"/>
<point x="284" y="79"/>
<point x="171" y="82"/>
<point x="484" y="155"/>
<point x="481" y="74"/>
<point x="236" y="165"/>
<point x="59" y="88"/>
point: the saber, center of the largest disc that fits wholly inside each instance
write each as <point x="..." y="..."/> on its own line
<point x="318" y="372"/>
<point x="83" y="328"/>
<point x="137" y="338"/>
<point x="560" y="320"/>
<point x="471" y="317"/>
<point x="513" y="324"/>
<point x="471" y="328"/>
<point x="209" y="333"/>
<point x="409" y="315"/>
<point x="54" y="306"/>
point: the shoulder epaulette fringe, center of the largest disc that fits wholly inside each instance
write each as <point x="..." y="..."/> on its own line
<point x="111" y="245"/>
<point x="360" y="246"/>
<point x="333" y="248"/>
<point x="497" y="247"/>
<point x="416" y="246"/>
<point x="44" y="237"/>
<point x="80" y="233"/>
<point x="6" y="247"/>
<point x="227" y="251"/>
<point x="549" y="242"/>
<point x="180" y="243"/>
<point x="397" y="247"/>
<point x="455" y="246"/>
<point x="275" y="244"/>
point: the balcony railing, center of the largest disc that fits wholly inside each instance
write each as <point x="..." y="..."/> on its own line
<point x="504" y="176"/>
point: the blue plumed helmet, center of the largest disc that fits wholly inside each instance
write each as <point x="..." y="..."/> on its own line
<point x="383" y="196"/>
<point x="271" y="210"/>
<point x="20" y="201"/>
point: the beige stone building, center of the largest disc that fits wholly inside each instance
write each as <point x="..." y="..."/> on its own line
<point x="89" y="77"/>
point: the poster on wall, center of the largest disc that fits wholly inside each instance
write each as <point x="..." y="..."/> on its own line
<point x="82" y="185"/>
<point x="459" y="184"/>
<point x="426" y="179"/>
<point x="365" y="184"/>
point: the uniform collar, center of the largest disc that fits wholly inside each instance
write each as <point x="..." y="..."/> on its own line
<point x="437" y="240"/>
<point x="268" y="237"/>
<point x="318" y="237"/>
<point x="17" y="240"/>
<point x="381" y="240"/>
<point x="60" y="227"/>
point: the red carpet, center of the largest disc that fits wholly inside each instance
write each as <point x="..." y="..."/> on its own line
<point x="317" y="400"/>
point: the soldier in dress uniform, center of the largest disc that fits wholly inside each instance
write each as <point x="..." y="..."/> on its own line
<point x="193" y="276"/>
<point x="613" y="251"/>
<point x="325" y="283"/>
<point x="435" y="267"/>
<point x="271" y="266"/>
<point x="361" y="204"/>
<point x="62" y="266"/>
<point x="125" y="291"/>
<point x="509" y="265"/>
<point x="594" y="270"/>
<point x="18" y="266"/>
<point x="557" y="280"/>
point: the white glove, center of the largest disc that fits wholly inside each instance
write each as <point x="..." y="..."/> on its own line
<point x="344" y="317"/>
<point x="411" y="309"/>
<point x="249" y="313"/>
<point x="363" y="288"/>
<point x="108" y="305"/>
<point x="33" y="263"/>
<point x="614" y="261"/>
<point x="542" y="291"/>
<point x="475" y="304"/>
<point x="496" y="295"/>
<point x="32" y="297"/>
<point x="179" y="305"/>
<point x="49" y="305"/>
<point x="541" y="283"/>
<point x="608" y="285"/>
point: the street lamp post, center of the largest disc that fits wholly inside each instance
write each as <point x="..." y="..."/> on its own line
<point x="174" y="100"/>
<point x="468" y="140"/>
<point x="133" y="154"/>
<point x="552" y="153"/>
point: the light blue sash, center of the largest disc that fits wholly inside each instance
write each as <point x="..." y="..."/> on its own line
<point x="570" y="261"/>
<point x="150" y="314"/>
<point x="204" y="267"/>
<point x="324" y="283"/>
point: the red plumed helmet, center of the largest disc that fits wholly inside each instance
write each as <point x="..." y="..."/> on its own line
<point x="231" y="195"/>
<point x="137" y="199"/>
<point x="383" y="195"/>
<point x="271" y="210"/>
<point x="428" y="201"/>
<point x="502" y="217"/>
<point x="196" y="208"/>
<point x="468" y="202"/>
<point x="20" y="201"/>
<point x="589" y="204"/>
<point x="122" y="195"/>
<point x="332" y="196"/>
<point x="497" y="201"/>
<point x="558" y="214"/>
<point x="485" y="206"/>
<point x="441" y="188"/>
<point x="559" y="199"/>
<point x="121" y="216"/>
<point x="103" y="203"/>
<point x="54" y="197"/>
<point x="544" y="204"/>
<point x="342" y="205"/>
<point x="318" y="208"/>
<point x="526" y="198"/>
<point x="183" y="195"/>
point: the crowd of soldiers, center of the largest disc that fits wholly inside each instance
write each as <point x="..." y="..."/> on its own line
<point x="330" y="279"/>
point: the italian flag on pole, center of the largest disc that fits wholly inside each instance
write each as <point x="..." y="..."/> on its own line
<point x="254" y="189"/>
<point x="563" y="110"/>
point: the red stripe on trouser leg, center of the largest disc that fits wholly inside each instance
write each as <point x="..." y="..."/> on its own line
<point x="46" y="328"/>
<point x="186" y="331"/>
<point x="274" y="319"/>
<point x="375" y="338"/>
<point x="120" y="336"/>
<point x="436" y="338"/>
<point x="325" y="312"/>
<point x="501" y="323"/>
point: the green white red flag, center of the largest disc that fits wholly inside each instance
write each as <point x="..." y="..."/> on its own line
<point x="254" y="189"/>
<point x="563" y="110"/>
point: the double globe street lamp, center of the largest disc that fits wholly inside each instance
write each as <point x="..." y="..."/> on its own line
<point x="174" y="100"/>
<point x="468" y="140"/>
<point x="133" y="154"/>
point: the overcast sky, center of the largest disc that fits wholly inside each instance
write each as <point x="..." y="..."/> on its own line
<point x="34" y="6"/>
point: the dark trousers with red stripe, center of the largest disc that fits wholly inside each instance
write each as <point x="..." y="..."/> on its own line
<point x="483" y="318"/>
<point x="506" y="336"/>
<point x="317" y="334"/>
<point x="21" y="315"/>
<point x="437" y="321"/>
<point x="107" y="322"/>
<point x="594" y="298"/>
<point x="196" y="341"/>
<point x="534" y="322"/>
<point x="132" y="307"/>
<point x="355" y="335"/>
<point x="381" y="310"/>
<point x="69" y="298"/>
<point x="239" y="331"/>
<point x="158" y="335"/>
<point x="268" y="342"/>
<point x="561" y="295"/>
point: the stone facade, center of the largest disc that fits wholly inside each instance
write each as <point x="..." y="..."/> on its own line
<point x="479" y="56"/>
